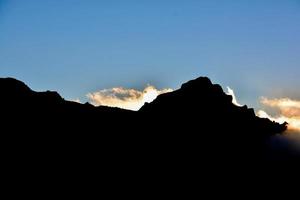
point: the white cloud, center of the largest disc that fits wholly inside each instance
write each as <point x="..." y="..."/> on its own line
<point x="125" y="98"/>
<point x="231" y="92"/>
<point x="76" y="100"/>
<point x="288" y="110"/>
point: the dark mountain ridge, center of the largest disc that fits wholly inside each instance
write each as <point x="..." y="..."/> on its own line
<point x="196" y="122"/>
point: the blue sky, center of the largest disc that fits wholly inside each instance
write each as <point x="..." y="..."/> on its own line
<point x="80" y="46"/>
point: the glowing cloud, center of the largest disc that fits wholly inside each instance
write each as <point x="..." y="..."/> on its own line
<point x="75" y="100"/>
<point x="231" y="92"/>
<point x="289" y="111"/>
<point x="130" y="99"/>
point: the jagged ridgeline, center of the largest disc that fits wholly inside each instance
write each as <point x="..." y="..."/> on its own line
<point x="198" y="119"/>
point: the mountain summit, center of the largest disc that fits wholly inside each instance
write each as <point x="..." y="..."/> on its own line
<point x="205" y="104"/>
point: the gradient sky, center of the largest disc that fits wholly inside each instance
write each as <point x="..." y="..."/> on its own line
<point x="80" y="46"/>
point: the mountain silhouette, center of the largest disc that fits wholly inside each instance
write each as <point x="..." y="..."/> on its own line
<point x="195" y="123"/>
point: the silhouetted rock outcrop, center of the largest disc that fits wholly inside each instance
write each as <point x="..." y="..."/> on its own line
<point x="195" y="123"/>
<point x="199" y="102"/>
<point x="203" y="116"/>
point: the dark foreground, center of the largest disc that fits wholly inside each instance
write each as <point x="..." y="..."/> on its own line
<point x="184" y="129"/>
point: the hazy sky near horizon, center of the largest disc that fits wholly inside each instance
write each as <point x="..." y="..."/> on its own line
<point x="80" y="46"/>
